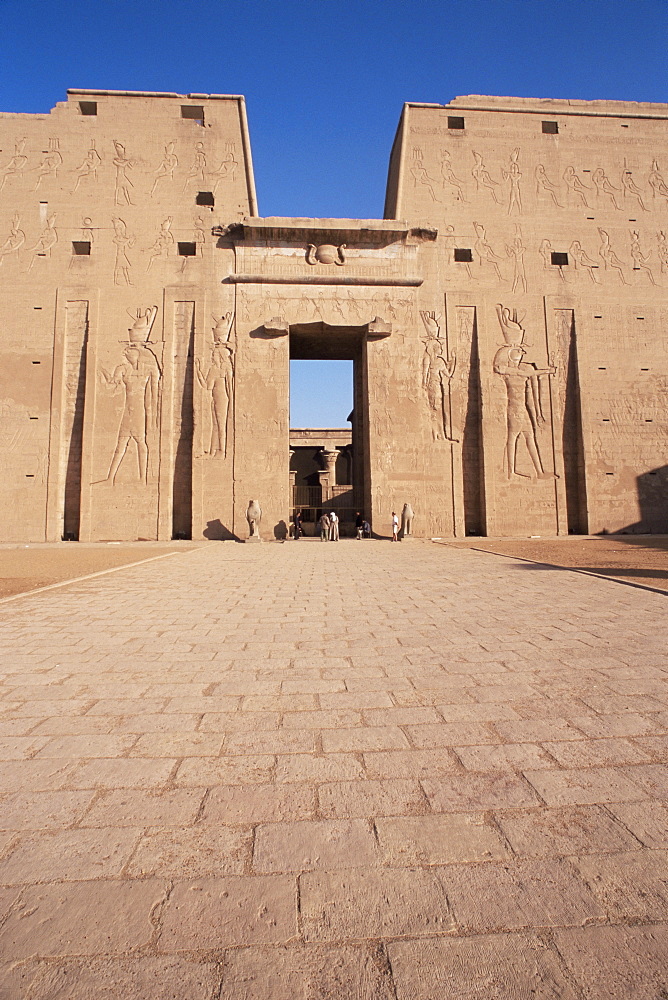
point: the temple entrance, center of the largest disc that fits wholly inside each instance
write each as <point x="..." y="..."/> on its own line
<point x="328" y="467"/>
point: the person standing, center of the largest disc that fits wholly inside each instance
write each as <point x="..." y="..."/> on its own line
<point x="297" y="524"/>
<point x="359" y="524"/>
<point x="395" y="526"/>
<point x="333" y="527"/>
<point x="324" y="528"/>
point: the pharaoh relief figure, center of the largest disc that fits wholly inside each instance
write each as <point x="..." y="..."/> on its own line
<point x="123" y="185"/>
<point x="168" y="165"/>
<point x="14" y="241"/>
<point x="662" y="251"/>
<point x="657" y="183"/>
<point x="437" y="370"/>
<point x="46" y="242"/>
<point x="218" y="381"/>
<point x="514" y="175"/>
<point x="639" y="258"/>
<point x="49" y="165"/>
<point x="89" y="165"/>
<point x="138" y="376"/>
<point x="524" y="410"/>
<point x="16" y="164"/>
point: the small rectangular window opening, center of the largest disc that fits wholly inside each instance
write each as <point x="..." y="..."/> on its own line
<point x="603" y="369"/>
<point x="463" y="256"/>
<point x="193" y="112"/>
<point x="187" y="249"/>
<point x="624" y="126"/>
<point x="644" y="369"/>
<point x="640" y="317"/>
<point x="88" y="107"/>
<point x="550" y="128"/>
<point x="649" y="420"/>
<point x="559" y="259"/>
<point x="30" y="475"/>
<point x="37" y="362"/>
<point x="455" y="122"/>
<point x="598" y="317"/>
<point x="609" y="473"/>
<point x="205" y="198"/>
<point x="81" y="248"/>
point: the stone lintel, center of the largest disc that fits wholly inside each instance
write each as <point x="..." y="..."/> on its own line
<point x="313" y="279"/>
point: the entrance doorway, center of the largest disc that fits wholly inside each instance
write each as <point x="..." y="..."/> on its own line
<point x="328" y="465"/>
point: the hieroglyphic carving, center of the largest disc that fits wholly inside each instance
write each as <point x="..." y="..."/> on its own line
<point x="604" y="186"/>
<point x="663" y="251"/>
<point x="14" y="241"/>
<point x="581" y="259"/>
<point x="449" y="177"/>
<point x="516" y="250"/>
<point x="639" y="258"/>
<point x="437" y="370"/>
<point x="16" y="164"/>
<point x="543" y="183"/>
<point x="484" y="250"/>
<point x="545" y="250"/>
<point x="657" y="183"/>
<point x="219" y="382"/>
<point x="123" y="184"/>
<point x="609" y="257"/>
<point x="164" y="241"/>
<point x="89" y="167"/>
<point x="463" y="348"/>
<point x="168" y="165"/>
<point x="419" y="172"/>
<point x="574" y="184"/>
<point x="631" y="188"/>
<point x="524" y="411"/>
<point x="228" y="168"/>
<point x="46" y="241"/>
<point x="514" y="175"/>
<point x="197" y="167"/>
<point x="139" y="378"/>
<point x="481" y="176"/>
<point x="49" y="165"/>
<point x="122" y="241"/>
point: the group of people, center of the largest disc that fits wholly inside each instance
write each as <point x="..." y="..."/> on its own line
<point x="329" y="526"/>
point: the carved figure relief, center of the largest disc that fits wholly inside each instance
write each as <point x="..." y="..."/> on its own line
<point x="164" y="241"/>
<point x="419" y="173"/>
<point x="89" y="166"/>
<point x="543" y="183"/>
<point x="198" y="166"/>
<point x="657" y="183"/>
<point x="49" y="165"/>
<point x="481" y="176"/>
<point x="524" y="412"/>
<point x="168" y="165"/>
<point x="631" y="188"/>
<point x="326" y="254"/>
<point x="124" y="185"/>
<point x="138" y="376"/>
<point x="437" y="370"/>
<point x="14" y="241"/>
<point x="514" y="175"/>
<point x="16" y="164"/>
<point x="450" y="246"/>
<point x="663" y="251"/>
<point x="122" y="241"/>
<point x="580" y="259"/>
<point x="516" y="250"/>
<point x="254" y="517"/>
<point x="47" y="240"/>
<point x="228" y="168"/>
<point x="604" y="186"/>
<point x="219" y="382"/>
<point x="574" y="184"/>
<point x="609" y="257"/>
<point x="484" y="250"/>
<point x="639" y="258"/>
<point x="449" y="178"/>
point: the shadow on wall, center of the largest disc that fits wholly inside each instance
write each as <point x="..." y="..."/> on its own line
<point x="217" y="531"/>
<point x="653" y="502"/>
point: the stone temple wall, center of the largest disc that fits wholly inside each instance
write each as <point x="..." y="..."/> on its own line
<point x="508" y="339"/>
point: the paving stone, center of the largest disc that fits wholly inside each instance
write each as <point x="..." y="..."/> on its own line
<point x="43" y="810"/>
<point x="161" y="723"/>
<point x="496" y="967"/>
<point x="655" y="747"/>
<point x="315" y="844"/>
<point x="536" y="730"/>
<point x="504" y="757"/>
<point x="68" y="855"/>
<point x="145" y="978"/>
<point x="617" y="963"/>
<point x="218" y="913"/>
<point x="235" y="722"/>
<point x="308" y="767"/>
<point x="178" y="744"/>
<point x="87" y="746"/>
<point x="81" y="918"/>
<point x="597" y="753"/>
<point x="609" y="725"/>
<point x="568" y="830"/>
<point x="391" y="797"/>
<point x="140" y="809"/>
<point x="410" y="763"/>
<point x="35" y="775"/>
<point x="364" y="738"/>
<point x="241" y="770"/>
<point x="376" y="903"/>
<point x="192" y="852"/>
<point x="519" y="894"/>
<point x="250" y="804"/>
<point x="648" y="821"/>
<point x="577" y="786"/>
<point x="489" y="712"/>
<point x="322" y="971"/>
<point x="438" y="840"/>
<point x="496" y="790"/>
<point x="632" y="886"/>
<point x="121" y="773"/>
<point x="652" y="778"/>
<point x="331" y="719"/>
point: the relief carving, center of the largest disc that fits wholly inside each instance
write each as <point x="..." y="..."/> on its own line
<point x="663" y="251"/>
<point x="164" y="241"/>
<point x="657" y="183"/>
<point x="631" y="188"/>
<point x="16" y="164"/>
<point x="437" y="370"/>
<point x="604" y="186"/>
<point x="218" y="381"/>
<point x="639" y="258"/>
<point x="481" y="176"/>
<point x="198" y="166"/>
<point x="543" y="183"/>
<point x="609" y="257"/>
<point x="484" y="250"/>
<point x="514" y="175"/>
<point x="139" y="378"/>
<point x="91" y="162"/>
<point x="516" y="250"/>
<point x="524" y="412"/>
<point x="449" y="178"/>
<point x="574" y="184"/>
<point x="170" y="162"/>
<point x="449" y="242"/>
<point x="47" y="240"/>
<point x="326" y="254"/>
<point x="123" y="184"/>
<point x="49" y="165"/>
<point x="122" y="241"/>
<point x="14" y="241"/>
<point x="581" y="259"/>
<point x="420" y="176"/>
<point x="228" y="168"/>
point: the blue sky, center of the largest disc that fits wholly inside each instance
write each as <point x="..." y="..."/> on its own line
<point x="325" y="80"/>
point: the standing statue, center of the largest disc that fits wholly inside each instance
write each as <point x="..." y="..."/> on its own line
<point x="407" y="521"/>
<point x="254" y="516"/>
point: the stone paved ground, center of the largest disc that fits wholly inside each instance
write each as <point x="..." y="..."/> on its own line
<point x="323" y="772"/>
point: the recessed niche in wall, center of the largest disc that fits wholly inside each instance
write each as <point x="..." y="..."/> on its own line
<point x="559" y="259"/>
<point x="455" y="122"/>
<point x="88" y="107"/>
<point x="463" y="256"/>
<point x="187" y="249"/>
<point x="193" y="112"/>
<point x="550" y="128"/>
<point x="205" y="198"/>
<point x="81" y="248"/>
